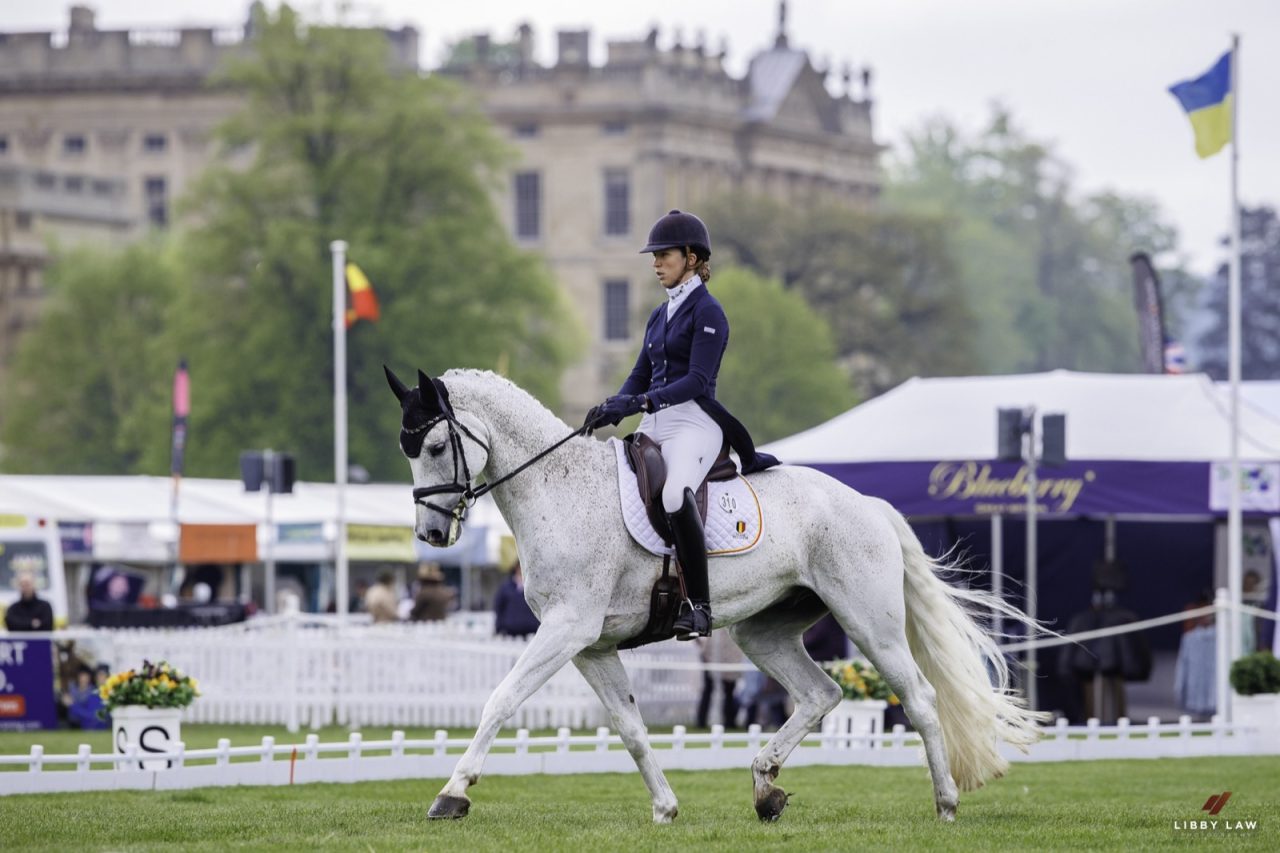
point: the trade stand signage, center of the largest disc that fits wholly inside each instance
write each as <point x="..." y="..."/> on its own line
<point x="378" y="542"/>
<point x="984" y="487"/>
<point x="1259" y="487"/>
<point x="26" y="684"/>
<point x="77" y="538"/>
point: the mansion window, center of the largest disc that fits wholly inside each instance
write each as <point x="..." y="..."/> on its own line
<point x="617" y="309"/>
<point x="528" y="198"/>
<point x="157" y="201"/>
<point x="617" y="202"/>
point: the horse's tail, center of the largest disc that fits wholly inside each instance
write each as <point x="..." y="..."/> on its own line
<point x="976" y="706"/>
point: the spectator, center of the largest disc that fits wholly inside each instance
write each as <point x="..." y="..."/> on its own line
<point x="356" y="603"/>
<point x="1195" y="672"/>
<point x="83" y="702"/>
<point x="434" y="599"/>
<point x="511" y="614"/>
<point x="825" y="640"/>
<point x="380" y="599"/>
<point x="30" y="612"/>
<point x="719" y="648"/>
<point x="765" y="700"/>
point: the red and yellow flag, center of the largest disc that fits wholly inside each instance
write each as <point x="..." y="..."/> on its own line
<point x="364" y="302"/>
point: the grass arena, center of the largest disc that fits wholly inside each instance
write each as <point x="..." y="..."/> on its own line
<point x="1121" y="804"/>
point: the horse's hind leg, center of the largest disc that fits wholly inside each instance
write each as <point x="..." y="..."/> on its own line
<point x="877" y="626"/>
<point x="555" y="644"/>
<point x="773" y="642"/>
<point x="603" y="670"/>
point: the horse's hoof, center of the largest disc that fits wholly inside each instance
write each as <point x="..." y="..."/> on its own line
<point x="769" y="807"/>
<point x="450" y="808"/>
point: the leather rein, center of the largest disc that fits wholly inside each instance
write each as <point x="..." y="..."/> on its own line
<point x="467" y="493"/>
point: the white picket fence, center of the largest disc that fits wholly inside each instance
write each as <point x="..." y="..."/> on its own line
<point x="356" y="760"/>
<point x="301" y="671"/>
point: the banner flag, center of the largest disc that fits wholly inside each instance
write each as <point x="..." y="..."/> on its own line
<point x="181" y="409"/>
<point x="1147" y="301"/>
<point x="364" y="302"/>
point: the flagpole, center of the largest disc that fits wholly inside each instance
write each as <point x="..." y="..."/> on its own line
<point x="1234" y="519"/>
<point x="338" y="248"/>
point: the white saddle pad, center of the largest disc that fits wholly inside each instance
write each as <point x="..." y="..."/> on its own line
<point x="734" y="518"/>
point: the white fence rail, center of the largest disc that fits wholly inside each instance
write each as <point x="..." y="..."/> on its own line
<point x="286" y="764"/>
<point x="297" y="671"/>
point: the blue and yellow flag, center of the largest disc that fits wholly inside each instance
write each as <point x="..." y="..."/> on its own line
<point x="1207" y="100"/>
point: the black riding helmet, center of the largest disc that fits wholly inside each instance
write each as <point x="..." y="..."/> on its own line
<point x="677" y="230"/>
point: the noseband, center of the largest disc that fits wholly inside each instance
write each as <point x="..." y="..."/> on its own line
<point x="467" y="495"/>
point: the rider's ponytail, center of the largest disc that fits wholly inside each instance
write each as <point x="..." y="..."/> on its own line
<point x="703" y="267"/>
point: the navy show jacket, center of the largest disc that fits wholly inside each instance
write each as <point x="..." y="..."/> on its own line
<point x="679" y="361"/>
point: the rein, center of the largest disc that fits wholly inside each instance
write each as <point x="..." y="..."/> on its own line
<point x="467" y="494"/>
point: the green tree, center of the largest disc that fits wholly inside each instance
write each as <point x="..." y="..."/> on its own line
<point x="89" y="389"/>
<point x="1045" y="272"/>
<point x="400" y="167"/>
<point x="1259" y="298"/>
<point x="884" y="282"/>
<point x="330" y="144"/>
<point x="779" y="375"/>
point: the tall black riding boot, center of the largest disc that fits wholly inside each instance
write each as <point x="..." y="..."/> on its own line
<point x="691" y="550"/>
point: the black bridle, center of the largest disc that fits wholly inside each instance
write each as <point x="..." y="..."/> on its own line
<point x="467" y="494"/>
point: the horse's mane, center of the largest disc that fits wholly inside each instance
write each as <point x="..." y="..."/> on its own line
<point x="494" y="388"/>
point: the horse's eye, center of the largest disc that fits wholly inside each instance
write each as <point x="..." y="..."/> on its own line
<point x="436" y="449"/>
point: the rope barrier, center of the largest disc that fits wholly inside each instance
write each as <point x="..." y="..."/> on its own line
<point x="638" y="659"/>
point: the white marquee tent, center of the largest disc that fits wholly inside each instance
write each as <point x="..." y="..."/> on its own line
<point x="1109" y="416"/>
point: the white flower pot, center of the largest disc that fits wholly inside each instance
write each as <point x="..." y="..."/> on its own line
<point x="855" y="717"/>
<point x="1261" y="714"/>
<point x="152" y="729"/>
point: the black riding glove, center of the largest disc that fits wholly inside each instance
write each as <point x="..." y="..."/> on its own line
<point x="621" y="406"/>
<point x="612" y="411"/>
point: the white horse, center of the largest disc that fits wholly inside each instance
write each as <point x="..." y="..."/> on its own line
<point x="825" y="548"/>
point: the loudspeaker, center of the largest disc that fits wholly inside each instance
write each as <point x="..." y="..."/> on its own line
<point x="283" y="471"/>
<point x="1054" y="428"/>
<point x="252" y="472"/>
<point x="1009" y="435"/>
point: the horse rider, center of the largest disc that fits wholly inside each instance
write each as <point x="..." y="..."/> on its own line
<point x="674" y="384"/>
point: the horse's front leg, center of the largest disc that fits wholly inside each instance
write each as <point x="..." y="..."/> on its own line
<point x="603" y="670"/>
<point x="555" y="644"/>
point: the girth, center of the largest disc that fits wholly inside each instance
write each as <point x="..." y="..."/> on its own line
<point x="645" y="457"/>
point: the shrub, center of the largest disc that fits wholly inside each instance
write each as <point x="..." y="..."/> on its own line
<point x="1256" y="673"/>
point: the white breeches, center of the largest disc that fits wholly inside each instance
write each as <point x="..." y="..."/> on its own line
<point x="690" y="442"/>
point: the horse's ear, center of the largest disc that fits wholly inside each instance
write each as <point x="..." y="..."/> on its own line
<point x="397" y="387"/>
<point x="434" y="395"/>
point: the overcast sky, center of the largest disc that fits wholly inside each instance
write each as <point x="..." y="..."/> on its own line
<point x="1088" y="76"/>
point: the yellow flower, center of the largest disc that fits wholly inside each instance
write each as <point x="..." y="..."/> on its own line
<point x="893" y="700"/>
